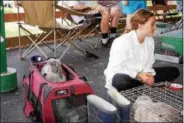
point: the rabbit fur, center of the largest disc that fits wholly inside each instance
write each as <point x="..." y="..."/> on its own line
<point x="52" y="71"/>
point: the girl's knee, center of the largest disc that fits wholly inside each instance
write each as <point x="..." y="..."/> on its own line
<point x="120" y="81"/>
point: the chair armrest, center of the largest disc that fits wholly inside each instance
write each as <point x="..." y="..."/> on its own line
<point x="71" y="11"/>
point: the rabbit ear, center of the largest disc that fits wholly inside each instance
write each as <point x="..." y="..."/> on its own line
<point x="50" y="60"/>
<point x="58" y="61"/>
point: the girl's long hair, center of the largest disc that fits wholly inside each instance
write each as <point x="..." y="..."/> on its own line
<point x="140" y="17"/>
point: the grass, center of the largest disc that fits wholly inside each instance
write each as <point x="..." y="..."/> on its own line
<point x="8" y="10"/>
<point x="11" y="29"/>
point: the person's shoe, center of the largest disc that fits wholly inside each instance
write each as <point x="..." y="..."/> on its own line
<point x="105" y="44"/>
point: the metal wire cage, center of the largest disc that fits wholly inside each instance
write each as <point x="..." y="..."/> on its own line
<point x="159" y="93"/>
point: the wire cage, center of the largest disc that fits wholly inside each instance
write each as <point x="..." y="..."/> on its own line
<point x="168" y="44"/>
<point x="160" y="92"/>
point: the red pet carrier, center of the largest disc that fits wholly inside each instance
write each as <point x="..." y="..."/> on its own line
<point x="55" y="102"/>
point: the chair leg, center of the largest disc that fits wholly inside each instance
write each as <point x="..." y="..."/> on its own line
<point x="64" y="52"/>
<point x="94" y="29"/>
<point x="97" y="45"/>
<point x="35" y="45"/>
<point x="90" y="45"/>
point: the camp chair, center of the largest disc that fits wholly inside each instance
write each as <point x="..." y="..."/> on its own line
<point x="91" y="19"/>
<point x="41" y="14"/>
<point x="166" y="11"/>
<point x="91" y="23"/>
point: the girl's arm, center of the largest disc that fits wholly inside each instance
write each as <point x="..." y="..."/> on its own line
<point x="151" y="58"/>
<point x="119" y="55"/>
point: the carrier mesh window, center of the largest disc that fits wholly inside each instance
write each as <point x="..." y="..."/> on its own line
<point x="67" y="110"/>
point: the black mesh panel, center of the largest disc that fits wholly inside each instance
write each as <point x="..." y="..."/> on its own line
<point x="65" y="110"/>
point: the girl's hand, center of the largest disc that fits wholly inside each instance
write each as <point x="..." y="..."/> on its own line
<point x="150" y="80"/>
<point x="146" y="78"/>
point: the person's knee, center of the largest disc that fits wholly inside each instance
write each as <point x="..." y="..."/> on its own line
<point x="175" y="72"/>
<point x="120" y="80"/>
<point x="106" y="15"/>
<point x="115" y="12"/>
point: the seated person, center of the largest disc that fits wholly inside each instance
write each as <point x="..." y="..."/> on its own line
<point x="107" y="13"/>
<point x="132" y="56"/>
<point x="128" y="7"/>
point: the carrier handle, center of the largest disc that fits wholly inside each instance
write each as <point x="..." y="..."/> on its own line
<point x="29" y="87"/>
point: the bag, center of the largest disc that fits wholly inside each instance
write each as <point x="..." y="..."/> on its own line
<point x="55" y="102"/>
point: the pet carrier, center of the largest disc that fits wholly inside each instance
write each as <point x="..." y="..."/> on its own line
<point x="47" y="101"/>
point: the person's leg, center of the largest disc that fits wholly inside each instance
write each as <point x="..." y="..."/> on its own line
<point x="115" y="13"/>
<point x="166" y="74"/>
<point x="123" y="82"/>
<point x="104" y="25"/>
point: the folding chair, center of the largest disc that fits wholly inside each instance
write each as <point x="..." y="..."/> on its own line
<point x="166" y="11"/>
<point x="91" y="23"/>
<point x="91" y="19"/>
<point x="41" y="14"/>
<point x="35" y="17"/>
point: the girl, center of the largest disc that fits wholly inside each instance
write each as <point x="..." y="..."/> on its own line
<point x="132" y="56"/>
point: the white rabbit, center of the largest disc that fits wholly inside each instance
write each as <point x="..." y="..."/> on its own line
<point x="145" y="110"/>
<point x="52" y="71"/>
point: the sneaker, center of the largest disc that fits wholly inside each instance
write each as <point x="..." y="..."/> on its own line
<point x="106" y="44"/>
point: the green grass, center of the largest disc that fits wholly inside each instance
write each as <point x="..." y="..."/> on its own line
<point x="11" y="29"/>
<point x="8" y="10"/>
